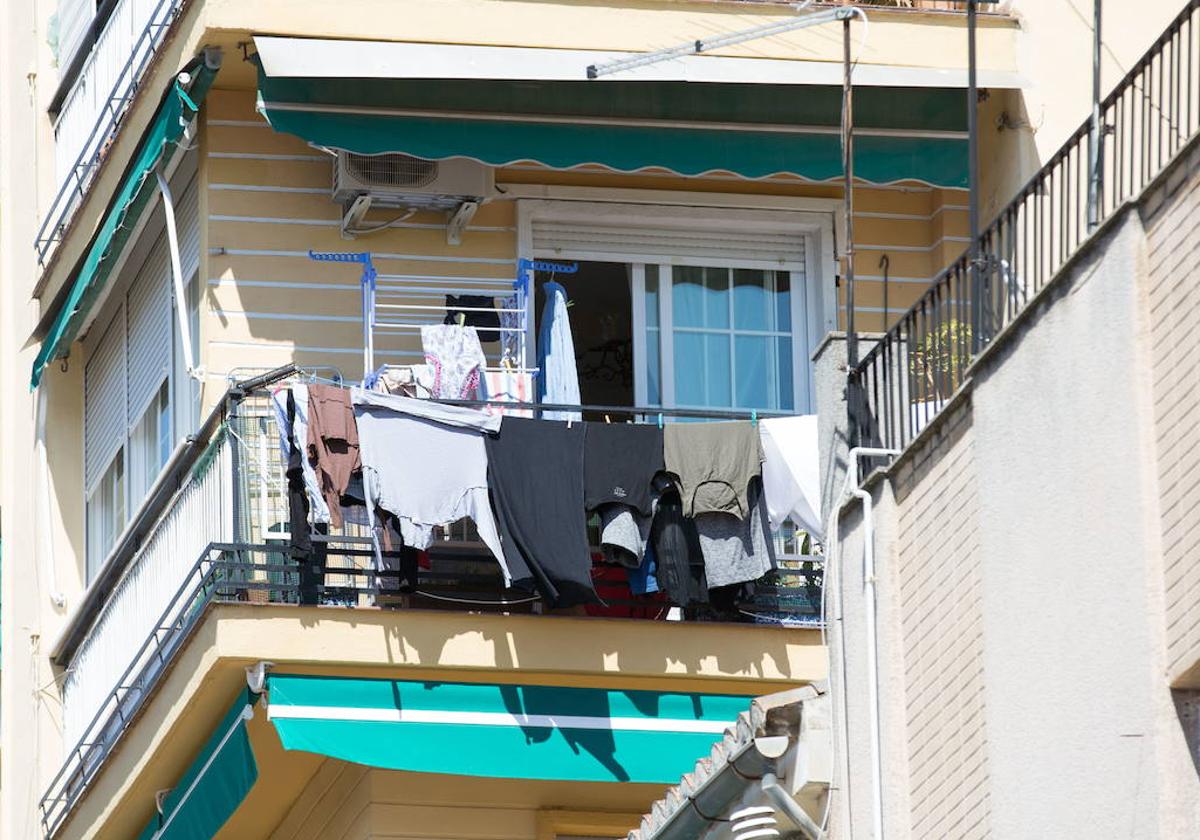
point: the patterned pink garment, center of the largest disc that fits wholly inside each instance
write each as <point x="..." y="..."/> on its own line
<point x="455" y="357"/>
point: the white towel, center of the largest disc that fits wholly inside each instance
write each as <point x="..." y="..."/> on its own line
<point x="792" y="472"/>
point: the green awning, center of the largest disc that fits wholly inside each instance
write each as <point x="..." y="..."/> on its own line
<point x="752" y="130"/>
<point x="500" y="731"/>
<point x="178" y="108"/>
<point x="215" y="783"/>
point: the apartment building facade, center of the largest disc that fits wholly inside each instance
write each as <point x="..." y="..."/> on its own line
<point x="1014" y="631"/>
<point x="176" y="184"/>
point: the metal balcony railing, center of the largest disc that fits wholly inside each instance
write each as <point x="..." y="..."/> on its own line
<point x="98" y="101"/>
<point x="223" y="536"/>
<point x="906" y="379"/>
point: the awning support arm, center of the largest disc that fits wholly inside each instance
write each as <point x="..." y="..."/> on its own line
<point x="595" y="71"/>
<point x="181" y="314"/>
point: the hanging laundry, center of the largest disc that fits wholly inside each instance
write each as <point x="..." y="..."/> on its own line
<point x="792" y="472"/>
<point x="509" y="386"/>
<point x="297" y="430"/>
<point x="427" y="465"/>
<point x="619" y="600"/>
<point x="332" y="444"/>
<point x="403" y="380"/>
<point x="556" y="355"/>
<point x="624" y="532"/>
<point x="644" y="579"/>
<point x="535" y="472"/>
<point x="512" y="319"/>
<point x="677" y="553"/>
<point x="620" y="461"/>
<point x="737" y="549"/>
<point x="713" y="464"/>
<point x="477" y="311"/>
<point x="455" y="357"/>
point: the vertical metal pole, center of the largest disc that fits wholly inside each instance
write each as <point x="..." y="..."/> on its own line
<point x="848" y="189"/>
<point x="1096" y="134"/>
<point x="973" y="184"/>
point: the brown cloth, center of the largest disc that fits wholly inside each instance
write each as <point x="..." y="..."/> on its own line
<point x="332" y="444"/>
<point x="712" y="464"/>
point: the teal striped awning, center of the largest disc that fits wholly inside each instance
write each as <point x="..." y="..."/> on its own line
<point x="500" y="731"/>
<point x="689" y="128"/>
<point x="215" y="783"/>
<point x="179" y="106"/>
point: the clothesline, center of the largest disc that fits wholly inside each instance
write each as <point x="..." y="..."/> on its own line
<point x="280" y="375"/>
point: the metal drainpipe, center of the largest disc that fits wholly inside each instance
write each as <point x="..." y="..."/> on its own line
<point x="869" y="589"/>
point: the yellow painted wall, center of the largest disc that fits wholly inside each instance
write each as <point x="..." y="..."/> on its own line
<point x="268" y="203"/>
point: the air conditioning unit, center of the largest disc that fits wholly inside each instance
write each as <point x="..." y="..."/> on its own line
<point x="404" y="181"/>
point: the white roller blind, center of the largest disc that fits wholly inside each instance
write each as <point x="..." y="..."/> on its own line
<point x="74" y="18"/>
<point x="187" y="222"/>
<point x="682" y="235"/>
<point x="149" y="330"/>
<point x="104" y="401"/>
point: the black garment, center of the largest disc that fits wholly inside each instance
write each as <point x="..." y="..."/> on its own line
<point x="620" y="461"/>
<point x="400" y="563"/>
<point x="488" y="323"/>
<point x="304" y="553"/>
<point x="535" y="475"/>
<point x="677" y="553"/>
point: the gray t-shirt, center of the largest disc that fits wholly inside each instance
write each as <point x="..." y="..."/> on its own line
<point x="737" y="550"/>
<point x="713" y="464"/>
<point x="623" y="534"/>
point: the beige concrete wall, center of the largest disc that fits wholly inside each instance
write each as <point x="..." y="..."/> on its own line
<point x="1036" y="545"/>
<point x="1172" y="221"/>
<point x="39" y="556"/>
<point x="1054" y="54"/>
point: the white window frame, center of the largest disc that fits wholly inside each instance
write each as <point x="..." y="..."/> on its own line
<point x="182" y="392"/>
<point x="814" y="312"/>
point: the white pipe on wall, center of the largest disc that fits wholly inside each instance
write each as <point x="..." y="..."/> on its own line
<point x="852" y="487"/>
<point x="57" y="597"/>
<point x="181" y="313"/>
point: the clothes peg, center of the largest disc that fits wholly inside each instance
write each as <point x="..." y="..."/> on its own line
<point x="753" y="417"/>
<point x="660" y="420"/>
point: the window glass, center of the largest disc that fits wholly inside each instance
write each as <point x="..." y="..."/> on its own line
<point x="653" y="337"/>
<point x="731" y="336"/>
<point x="105" y="513"/>
<point x="150" y="444"/>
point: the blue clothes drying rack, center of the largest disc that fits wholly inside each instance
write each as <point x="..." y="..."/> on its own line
<point x="395" y="303"/>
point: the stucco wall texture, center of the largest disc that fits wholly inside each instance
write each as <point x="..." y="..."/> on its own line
<point x="1039" y="583"/>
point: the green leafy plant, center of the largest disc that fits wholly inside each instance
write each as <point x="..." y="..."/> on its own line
<point x="937" y="361"/>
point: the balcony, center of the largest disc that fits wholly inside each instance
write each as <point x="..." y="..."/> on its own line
<point x="216" y="529"/>
<point x="103" y="78"/>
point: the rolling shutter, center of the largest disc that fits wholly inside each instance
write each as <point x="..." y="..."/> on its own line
<point x="74" y="18"/>
<point x="187" y="223"/>
<point x="104" y="401"/>
<point x="149" y="330"/>
<point x="699" y="236"/>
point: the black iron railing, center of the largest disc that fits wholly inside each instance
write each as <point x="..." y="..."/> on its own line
<point x="101" y="134"/>
<point x="905" y="380"/>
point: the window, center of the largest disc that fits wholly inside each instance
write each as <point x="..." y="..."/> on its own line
<point x="729" y="343"/>
<point x="105" y="513"/>
<point x="138" y="399"/>
<point x="722" y="306"/>
<point x="150" y="444"/>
